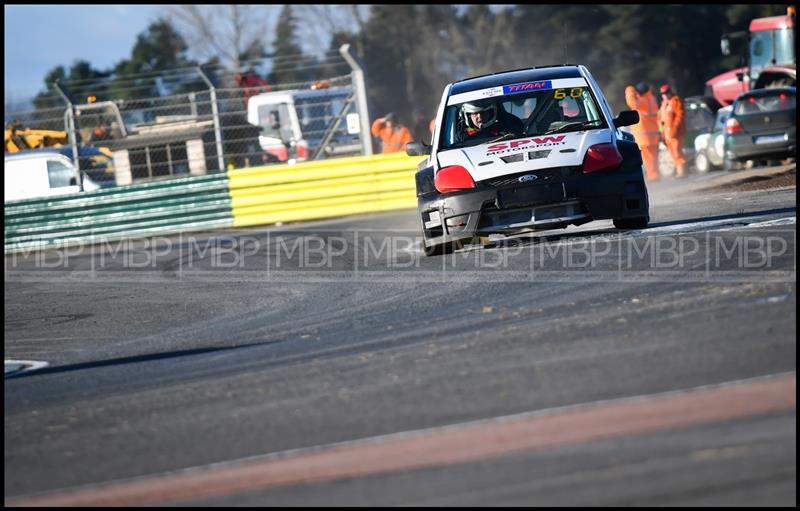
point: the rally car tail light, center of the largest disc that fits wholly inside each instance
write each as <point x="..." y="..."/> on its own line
<point x="452" y="179"/>
<point x="733" y="126"/>
<point x="601" y="157"/>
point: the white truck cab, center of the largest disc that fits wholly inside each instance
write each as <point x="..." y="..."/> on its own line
<point x="298" y="125"/>
<point x="41" y="175"/>
<point x="275" y="113"/>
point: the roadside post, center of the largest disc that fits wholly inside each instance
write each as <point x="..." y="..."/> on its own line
<point x="215" y="114"/>
<point x="360" y="89"/>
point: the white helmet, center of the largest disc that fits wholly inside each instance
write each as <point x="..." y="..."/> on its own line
<point x="487" y="107"/>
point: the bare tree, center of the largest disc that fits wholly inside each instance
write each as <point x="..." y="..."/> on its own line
<point x="227" y="32"/>
<point x="481" y="40"/>
<point x="333" y="19"/>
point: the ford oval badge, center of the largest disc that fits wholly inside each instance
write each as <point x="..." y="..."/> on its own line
<point x="527" y="178"/>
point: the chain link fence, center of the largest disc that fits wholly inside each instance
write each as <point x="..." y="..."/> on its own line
<point x="196" y="121"/>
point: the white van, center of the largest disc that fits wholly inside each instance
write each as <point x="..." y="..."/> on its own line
<point x="40" y="174"/>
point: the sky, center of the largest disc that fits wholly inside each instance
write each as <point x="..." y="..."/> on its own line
<point x="41" y="37"/>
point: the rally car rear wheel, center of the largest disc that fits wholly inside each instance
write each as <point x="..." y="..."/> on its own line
<point x="632" y="223"/>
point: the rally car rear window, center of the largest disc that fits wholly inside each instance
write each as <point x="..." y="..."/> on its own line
<point x="769" y="103"/>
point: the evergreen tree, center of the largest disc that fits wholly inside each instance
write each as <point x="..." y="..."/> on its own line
<point x="47" y="98"/>
<point x="80" y="82"/>
<point x="392" y="59"/>
<point x="159" y="48"/>
<point x="289" y="62"/>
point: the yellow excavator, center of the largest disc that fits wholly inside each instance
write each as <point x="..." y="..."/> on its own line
<point x="18" y="138"/>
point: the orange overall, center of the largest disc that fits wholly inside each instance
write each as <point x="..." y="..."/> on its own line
<point x="646" y="130"/>
<point x="674" y="128"/>
<point x="394" y="137"/>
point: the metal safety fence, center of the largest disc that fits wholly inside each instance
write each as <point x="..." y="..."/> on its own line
<point x="201" y="120"/>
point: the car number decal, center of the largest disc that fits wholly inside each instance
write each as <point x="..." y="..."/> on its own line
<point x="574" y="93"/>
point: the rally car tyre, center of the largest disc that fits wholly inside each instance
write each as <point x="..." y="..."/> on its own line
<point x="632" y="223"/>
<point x="639" y="222"/>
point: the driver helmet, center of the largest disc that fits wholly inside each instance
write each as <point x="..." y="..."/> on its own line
<point x="569" y="107"/>
<point x="488" y="110"/>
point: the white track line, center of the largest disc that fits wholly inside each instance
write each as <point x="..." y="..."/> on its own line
<point x="27" y="365"/>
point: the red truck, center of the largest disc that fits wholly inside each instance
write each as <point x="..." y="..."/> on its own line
<point x="770" y="61"/>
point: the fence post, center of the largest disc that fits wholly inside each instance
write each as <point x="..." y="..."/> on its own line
<point x="71" y="130"/>
<point x="360" y="89"/>
<point x="215" y="114"/>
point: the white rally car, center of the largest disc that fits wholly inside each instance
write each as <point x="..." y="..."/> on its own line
<point x="526" y="150"/>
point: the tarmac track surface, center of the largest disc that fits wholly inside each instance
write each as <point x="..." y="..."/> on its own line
<point x="217" y="356"/>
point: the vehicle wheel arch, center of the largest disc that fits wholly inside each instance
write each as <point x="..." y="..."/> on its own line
<point x="702" y="163"/>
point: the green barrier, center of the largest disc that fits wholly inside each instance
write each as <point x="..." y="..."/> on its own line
<point x="161" y="207"/>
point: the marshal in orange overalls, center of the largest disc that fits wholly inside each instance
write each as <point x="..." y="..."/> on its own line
<point x="394" y="136"/>
<point x="673" y="125"/>
<point x="646" y="130"/>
